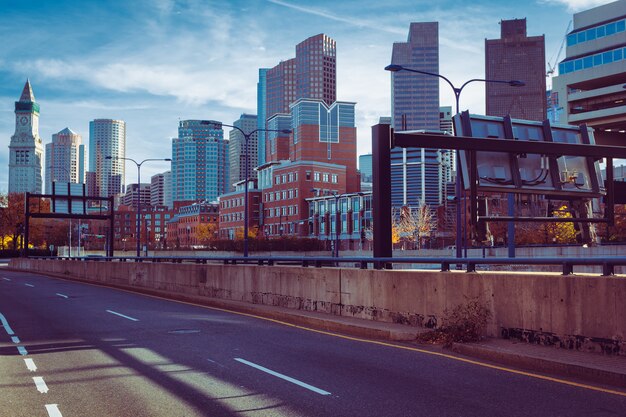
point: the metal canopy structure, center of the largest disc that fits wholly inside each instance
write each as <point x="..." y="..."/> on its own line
<point x="70" y="202"/>
<point x="503" y="155"/>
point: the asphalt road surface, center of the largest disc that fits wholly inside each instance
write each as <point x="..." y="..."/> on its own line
<point x="72" y="349"/>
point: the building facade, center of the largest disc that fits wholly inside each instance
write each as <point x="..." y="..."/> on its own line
<point x="346" y="219"/>
<point x="129" y="198"/>
<point x="199" y="161"/>
<point x="326" y="134"/>
<point x="261" y="97"/>
<point x="516" y="56"/>
<point x="232" y="208"/>
<point x="106" y="177"/>
<point x="26" y="147"/>
<point x="237" y="150"/>
<point x="316" y="69"/>
<point x="589" y="87"/>
<point x="365" y="167"/>
<point x="161" y="189"/>
<point x="193" y="225"/>
<point x="65" y="159"/>
<point x="415" y="172"/>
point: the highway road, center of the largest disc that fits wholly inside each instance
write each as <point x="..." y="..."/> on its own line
<point x="72" y="349"/>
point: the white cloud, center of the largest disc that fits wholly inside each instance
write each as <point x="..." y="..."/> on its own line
<point x="577" y="5"/>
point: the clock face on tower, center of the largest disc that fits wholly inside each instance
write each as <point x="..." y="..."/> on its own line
<point x="23" y="120"/>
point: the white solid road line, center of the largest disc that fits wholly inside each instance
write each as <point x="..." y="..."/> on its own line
<point x="29" y="285"/>
<point x="30" y="364"/>
<point x="40" y="384"/>
<point x="53" y="410"/>
<point x="6" y="279"/>
<point x="122" y="315"/>
<point x="15" y="339"/>
<point x="285" y="377"/>
<point x="62" y="295"/>
<point x="5" y="323"/>
<point x="22" y="350"/>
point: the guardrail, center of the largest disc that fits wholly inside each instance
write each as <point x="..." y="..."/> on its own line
<point x="608" y="264"/>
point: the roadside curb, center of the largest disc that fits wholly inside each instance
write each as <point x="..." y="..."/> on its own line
<point x="532" y="363"/>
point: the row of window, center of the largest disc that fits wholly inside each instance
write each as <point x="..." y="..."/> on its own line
<point x="596" y="32"/>
<point x="285" y="178"/>
<point x="591" y="61"/>
<point x="283" y="211"/>
<point x="281" y="195"/>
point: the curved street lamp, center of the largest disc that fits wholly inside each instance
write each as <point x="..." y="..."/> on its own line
<point x="246" y="174"/>
<point x="138" y="193"/>
<point x="457" y="94"/>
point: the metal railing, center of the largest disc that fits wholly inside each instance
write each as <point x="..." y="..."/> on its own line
<point x="607" y="264"/>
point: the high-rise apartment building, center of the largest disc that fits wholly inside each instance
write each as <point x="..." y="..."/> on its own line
<point x="316" y="67"/>
<point x="65" y="159"/>
<point x="161" y="189"/>
<point x="516" y="56"/>
<point x="237" y="150"/>
<point x="106" y="176"/>
<point x="281" y="87"/>
<point x="261" y="96"/>
<point x="199" y="161"/>
<point x="415" y="172"/>
<point x="26" y="148"/>
<point x="589" y="87"/>
<point x="130" y="197"/>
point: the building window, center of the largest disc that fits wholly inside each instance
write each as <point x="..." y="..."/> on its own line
<point x="308" y="175"/>
<point x="325" y="178"/>
<point x="316" y="176"/>
<point x="334" y="178"/>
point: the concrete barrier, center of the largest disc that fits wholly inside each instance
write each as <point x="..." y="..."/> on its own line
<point x="575" y="312"/>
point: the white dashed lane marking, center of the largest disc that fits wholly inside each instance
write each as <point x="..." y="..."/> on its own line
<point x="40" y="384"/>
<point x="122" y="315"/>
<point x="30" y="364"/>
<point x="53" y="410"/>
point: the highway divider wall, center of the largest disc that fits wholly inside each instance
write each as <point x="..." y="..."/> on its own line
<point x="575" y="312"/>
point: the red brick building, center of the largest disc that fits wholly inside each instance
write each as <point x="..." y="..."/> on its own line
<point x="231" y="210"/>
<point x="193" y="225"/>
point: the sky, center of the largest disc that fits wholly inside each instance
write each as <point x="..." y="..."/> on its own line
<point x="152" y="63"/>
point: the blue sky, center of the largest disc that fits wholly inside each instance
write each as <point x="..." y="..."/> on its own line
<point x="152" y="63"/>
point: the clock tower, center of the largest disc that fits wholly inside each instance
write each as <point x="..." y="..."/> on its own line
<point x="26" y="148"/>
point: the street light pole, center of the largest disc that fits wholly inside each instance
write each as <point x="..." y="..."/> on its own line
<point x="138" y="192"/>
<point x="246" y="174"/>
<point x="460" y="238"/>
<point x="337" y="223"/>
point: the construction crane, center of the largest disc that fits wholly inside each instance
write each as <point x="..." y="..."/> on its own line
<point x="552" y="65"/>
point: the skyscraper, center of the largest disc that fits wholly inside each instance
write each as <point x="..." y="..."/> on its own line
<point x="65" y="159"/>
<point x="415" y="172"/>
<point x="312" y="74"/>
<point x="107" y="137"/>
<point x="281" y="87"/>
<point x="589" y="87"/>
<point x="26" y="148"/>
<point x="516" y="56"/>
<point x="237" y="149"/>
<point x="261" y="96"/>
<point x="199" y="161"/>
<point x="316" y="66"/>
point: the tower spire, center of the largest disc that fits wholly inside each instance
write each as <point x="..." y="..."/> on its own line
<point x="27" y="93"/>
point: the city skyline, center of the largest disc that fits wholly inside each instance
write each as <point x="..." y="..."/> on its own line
<point x="84" y="71"/>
